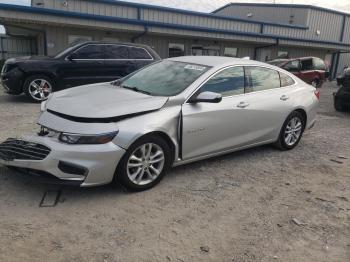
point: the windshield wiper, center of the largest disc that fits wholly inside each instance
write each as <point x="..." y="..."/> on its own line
<point x="134" y="88"/>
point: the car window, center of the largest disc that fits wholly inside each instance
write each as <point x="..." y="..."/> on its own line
<point x="89" y="52"/>
<point x="165" y="78"/>
<point x="319" y="64"/>
<point x="116" y="52"/>
<point x="227" y="82"/>
<point x="286" y="80"/>
<point x="292" y="66"/>
<point x="307" y="65"/>
<point x="263" y="78"/>
<point x="138" y="53"/>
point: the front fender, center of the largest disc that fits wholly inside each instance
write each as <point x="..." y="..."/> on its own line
<point x="165" y="120"/>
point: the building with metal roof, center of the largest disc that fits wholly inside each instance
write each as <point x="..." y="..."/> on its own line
<point x="259" y="31"/>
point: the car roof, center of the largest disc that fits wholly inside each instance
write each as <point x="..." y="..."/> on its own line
<point x="214" y="61"/>
<point x="110" y="42"/>
<point x="292" y="59"/>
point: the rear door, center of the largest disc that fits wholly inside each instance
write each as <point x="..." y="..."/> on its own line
<point x="86" y="67"/>
<point x="307" y="72"/>
<point x="122" y="60"/>
<point x="269" y="98"/>
<point x="117" y="61"/>
<point x="140" y="57"/>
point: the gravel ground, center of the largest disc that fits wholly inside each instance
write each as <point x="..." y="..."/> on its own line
<point x="257" y="205"/>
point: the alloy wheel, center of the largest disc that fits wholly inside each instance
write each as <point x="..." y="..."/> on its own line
<point x="40" y="89"/>
<point x="145" y="164"/>
<point x="293" y="131"/>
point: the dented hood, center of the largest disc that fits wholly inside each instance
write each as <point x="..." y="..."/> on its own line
<point x="99" y="101"/>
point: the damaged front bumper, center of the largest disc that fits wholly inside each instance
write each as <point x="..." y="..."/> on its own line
<point x="52" y="160"/>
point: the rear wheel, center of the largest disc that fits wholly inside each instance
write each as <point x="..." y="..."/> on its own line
<point x="38" y="87"/>
<point x="291" y="132"/>
<point x="144" y="164"/>
<point x="317" y="83"/>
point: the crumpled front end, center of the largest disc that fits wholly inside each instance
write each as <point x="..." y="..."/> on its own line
<point x="50" y="159"/>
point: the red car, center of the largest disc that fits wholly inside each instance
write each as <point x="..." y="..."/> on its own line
<point x="311" y="70"/>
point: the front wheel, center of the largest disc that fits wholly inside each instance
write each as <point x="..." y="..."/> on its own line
<point x="144" y="164"/>
<point x="291" y="132"/>
<point x="38" y="87"/>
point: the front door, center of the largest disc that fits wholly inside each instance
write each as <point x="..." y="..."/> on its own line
<point x="86" y="66"/>
<point x="212" y="127"/>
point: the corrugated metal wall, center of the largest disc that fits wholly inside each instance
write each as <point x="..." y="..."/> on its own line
<point x="16" y="46"/>
<point x="322" y="25"/>
<point x="328" y="24"/>
<point x="57" y="38"/>
<point x="267" y="14"/>
<point x="344" y="60"/>
<point x="88" y="7"/>
<point x="347" y="30"/>
<point x="199" y="21"/>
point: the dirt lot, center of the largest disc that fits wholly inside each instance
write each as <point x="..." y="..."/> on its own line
<point x="256" y="205"/>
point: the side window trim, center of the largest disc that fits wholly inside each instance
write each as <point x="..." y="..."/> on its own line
<point x="138" y="59"/>
<point x="294" y="82"/>
<point x="195" y="92"/>
<point x="247" y="81"/>
<point x="104" y="53"/>
<point x="219" y="72"/>
<point x="249" y="85"/>
<point x="87" y="59"/>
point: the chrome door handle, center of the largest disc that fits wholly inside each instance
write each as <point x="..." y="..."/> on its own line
<point x="243" y="105"/>
<point x="284" y="98"/>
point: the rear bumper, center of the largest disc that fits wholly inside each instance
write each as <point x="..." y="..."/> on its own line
<point x="83" y="165"/>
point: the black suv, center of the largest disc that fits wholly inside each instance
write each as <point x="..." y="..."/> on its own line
<point x="84" y="63"/>
<point x="342" y="97"/>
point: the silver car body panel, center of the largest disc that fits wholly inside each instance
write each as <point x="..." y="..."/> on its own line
<point x="195" y="131"/>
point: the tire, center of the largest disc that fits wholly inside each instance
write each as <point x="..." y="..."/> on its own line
<point x="338" y="105"/>
<point x="38" y="87"/>
<point x="142" y="167"/>
<point x="283" y="142"/>
<point x="317" y="83"/>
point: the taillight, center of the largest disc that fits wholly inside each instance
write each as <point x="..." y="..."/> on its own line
<point x="317" y="94"/>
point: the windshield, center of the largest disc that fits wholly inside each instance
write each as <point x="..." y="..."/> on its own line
<point x="166" y="78"/>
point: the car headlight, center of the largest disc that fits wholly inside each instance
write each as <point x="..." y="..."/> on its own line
<point x="76" y="139"/>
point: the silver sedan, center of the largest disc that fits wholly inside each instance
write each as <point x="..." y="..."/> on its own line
<point x="175" y="111"/>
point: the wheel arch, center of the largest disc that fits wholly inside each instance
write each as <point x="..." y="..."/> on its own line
<point x="304" y="114"/>
<point x="43" y="73"/>
<point x="173" y="147"/>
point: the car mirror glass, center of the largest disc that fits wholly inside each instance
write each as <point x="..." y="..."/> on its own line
<point x="72" y="56"/>
<point x="206" y="97"/>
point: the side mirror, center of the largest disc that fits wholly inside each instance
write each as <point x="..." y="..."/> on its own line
<point x="206" y="97"/>
<point x="71" y="56"/>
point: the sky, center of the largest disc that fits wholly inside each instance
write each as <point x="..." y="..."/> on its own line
<point x="210" y="5"/>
